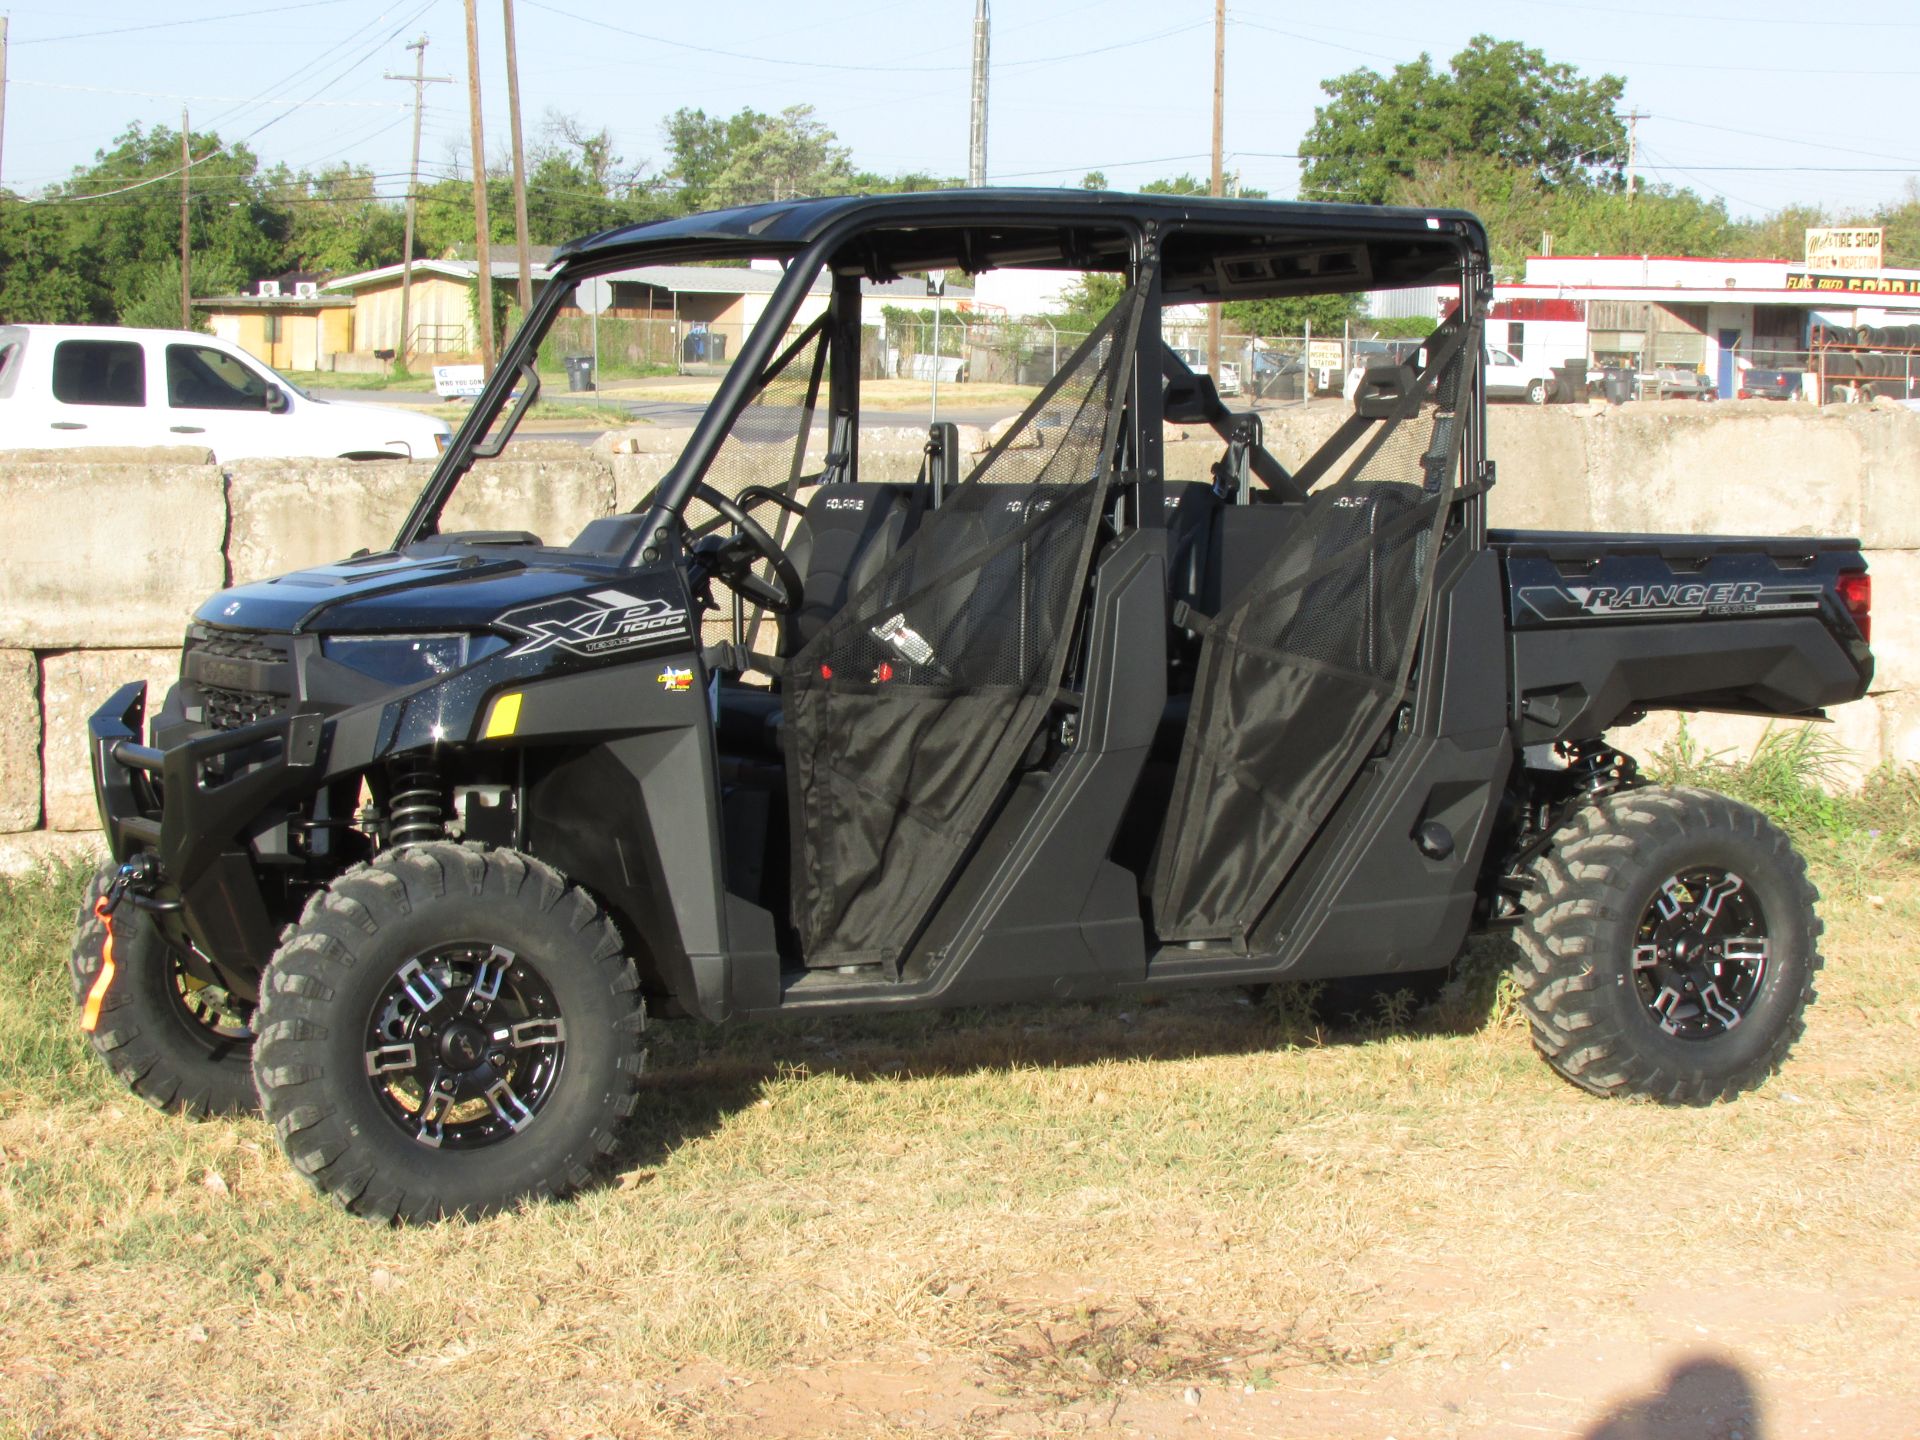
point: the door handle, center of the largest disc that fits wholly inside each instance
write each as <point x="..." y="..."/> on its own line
<point x="68" y="425"/>
<point x="188" y="429"/>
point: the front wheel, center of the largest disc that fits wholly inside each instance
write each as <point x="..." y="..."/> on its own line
<point x="449" y="1031"/>
<point x="1537" y="392"/>
<point x="1672" y="947"/>
<point x="178" y="1041"/>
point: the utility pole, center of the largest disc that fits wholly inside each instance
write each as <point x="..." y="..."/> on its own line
<point x="1219" y="97"/>
<point x="483" y="242"/>
<point x="519" y="168"/>
<point x="186" y="264"/>
<point x="420" y="80"/>
<point x="3" y="78"/>
<point x="1634" y="117"/>
<point x="977" y="147"/>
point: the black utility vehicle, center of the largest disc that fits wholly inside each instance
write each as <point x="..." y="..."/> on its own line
<point x="420" y="838"/>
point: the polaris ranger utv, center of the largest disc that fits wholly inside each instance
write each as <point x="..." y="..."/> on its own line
<point x="421" y="837"/>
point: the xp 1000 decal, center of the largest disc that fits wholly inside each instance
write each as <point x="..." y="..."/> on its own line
<point x="600" y="623"/>
<point x="1676" y="601"/>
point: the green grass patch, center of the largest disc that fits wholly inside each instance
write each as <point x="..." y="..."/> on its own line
<point x="42" y="1053"/>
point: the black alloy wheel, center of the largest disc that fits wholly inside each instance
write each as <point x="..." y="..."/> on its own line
<point x="465" y="1046"/>
<point x="1700" y="955"/>
<point x="178" y="1041"/>
<point x="449" y="1030"/>
<point x="1670" y="946"/>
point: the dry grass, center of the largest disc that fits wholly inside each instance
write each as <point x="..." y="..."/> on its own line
<point x="1116" y="1216"/>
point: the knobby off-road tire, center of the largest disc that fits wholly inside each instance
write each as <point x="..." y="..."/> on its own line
<point x="481" y="970"/>
<point x="1671" y="949"/>
<point x="177" y="1045"/>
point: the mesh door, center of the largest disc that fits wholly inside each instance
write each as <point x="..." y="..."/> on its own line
<point x="907" y="714"/>
<point x="1299" y="674"/>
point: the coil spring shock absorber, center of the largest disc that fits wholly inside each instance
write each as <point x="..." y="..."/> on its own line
<point x="415" y="813"/>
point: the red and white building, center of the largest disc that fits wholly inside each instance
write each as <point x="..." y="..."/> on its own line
<point x="1650" y="311"/>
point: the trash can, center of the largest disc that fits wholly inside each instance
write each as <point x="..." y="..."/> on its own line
<point x="1619" y="385"/>
<point x="1570" y="382"/>
<point x="579" y="372"/>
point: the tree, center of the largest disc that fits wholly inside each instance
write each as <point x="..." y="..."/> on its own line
<point x="1497" y="100"/>
<point x="90" y="249"/>
<point x="1094" y="180"/>
<point x="702" y="147"/>
<point x="1290" y="314"/>
<point x="336" y="220"/>
<point x="792" y="155"/>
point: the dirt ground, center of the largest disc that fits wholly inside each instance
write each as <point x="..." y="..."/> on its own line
<point x="1187" y="1217"/>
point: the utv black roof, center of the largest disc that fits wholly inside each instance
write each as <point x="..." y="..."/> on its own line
<point x="1334" y="247"/>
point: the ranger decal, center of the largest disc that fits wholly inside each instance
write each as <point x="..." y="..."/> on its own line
<point x="604" y="622"/>
<point x="1677" y="601"/>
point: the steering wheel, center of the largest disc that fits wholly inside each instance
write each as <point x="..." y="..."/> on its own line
<point x="730" y="559"/>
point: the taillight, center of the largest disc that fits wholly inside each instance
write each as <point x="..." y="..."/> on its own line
<point x="1742" y="395"/>
<point x="1856" y="593"/>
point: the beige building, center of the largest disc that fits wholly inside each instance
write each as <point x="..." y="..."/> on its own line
<point x="288" y="332"/>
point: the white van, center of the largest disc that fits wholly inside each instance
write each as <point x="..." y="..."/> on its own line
<point x="69" y="386"/>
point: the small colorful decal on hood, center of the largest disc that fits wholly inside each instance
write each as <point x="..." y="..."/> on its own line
<point x="604" y="622"/>
<point x="676" y="681"/>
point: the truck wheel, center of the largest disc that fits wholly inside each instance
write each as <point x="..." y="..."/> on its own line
<point x="178" y="1043"/>
<point x="1672" y="949"/>
<point x="1537" y="392"/>
<point x="449" y="1030"/>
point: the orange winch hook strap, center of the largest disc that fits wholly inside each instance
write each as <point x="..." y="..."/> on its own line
<point x="90" y="1014"/>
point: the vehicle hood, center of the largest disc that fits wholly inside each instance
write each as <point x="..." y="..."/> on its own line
<point x="395" y="593"/>
<point x="396" y="419"/>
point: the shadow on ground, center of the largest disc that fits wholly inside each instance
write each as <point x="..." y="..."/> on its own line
<point x="700" y="1074"/>
<point x="1702" y="1399"/>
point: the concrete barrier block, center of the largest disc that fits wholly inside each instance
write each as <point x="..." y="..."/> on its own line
<point x="1683" y="469"/>
<point x="1540" y="463"/>
<point x="554" y="497"/>
<point x="1896" y="618"/>
<point x="1889" y="439"/>
<point x="120" y="554"/>
<point x="290" y="514"/>
<point x="635" y="475"/>
<point x="19" y="740"/>
<point x="72" y="686"/>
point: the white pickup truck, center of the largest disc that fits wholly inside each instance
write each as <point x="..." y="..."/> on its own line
<point x="1511" y="378"/>
<point x="69" y="386"/>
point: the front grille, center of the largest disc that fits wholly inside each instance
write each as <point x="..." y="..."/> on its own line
<point x="235" y="677"/>
<point x="230" y="709"/>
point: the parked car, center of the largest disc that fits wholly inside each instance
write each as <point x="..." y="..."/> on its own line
<point x="1757" y="383"/>
<point x="72" y="386"/>
<point x="426" y="835"/>
<point x="1511" y="378"/>
<point x="1195" y="359"/>
<point x="1678" y="382"/>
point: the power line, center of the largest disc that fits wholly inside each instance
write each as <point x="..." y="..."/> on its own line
<point x="170" y="24"/>
<point x="242" y="99"/>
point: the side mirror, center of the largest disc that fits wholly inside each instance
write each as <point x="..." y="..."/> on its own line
<point x="277" y="402"/>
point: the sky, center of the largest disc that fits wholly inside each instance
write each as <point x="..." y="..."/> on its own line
<point x="1747" y="99"/>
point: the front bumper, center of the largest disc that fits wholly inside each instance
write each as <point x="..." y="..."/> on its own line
<point x="192" y="805"/>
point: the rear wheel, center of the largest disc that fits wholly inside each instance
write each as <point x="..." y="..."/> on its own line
<point x="1672" y="947"/>
<point x="449" y="1031"/>
<point x="1537" y="392"/>
<point x="178" y="1042"/>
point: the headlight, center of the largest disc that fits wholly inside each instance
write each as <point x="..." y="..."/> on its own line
<point x="408" y="659"/>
